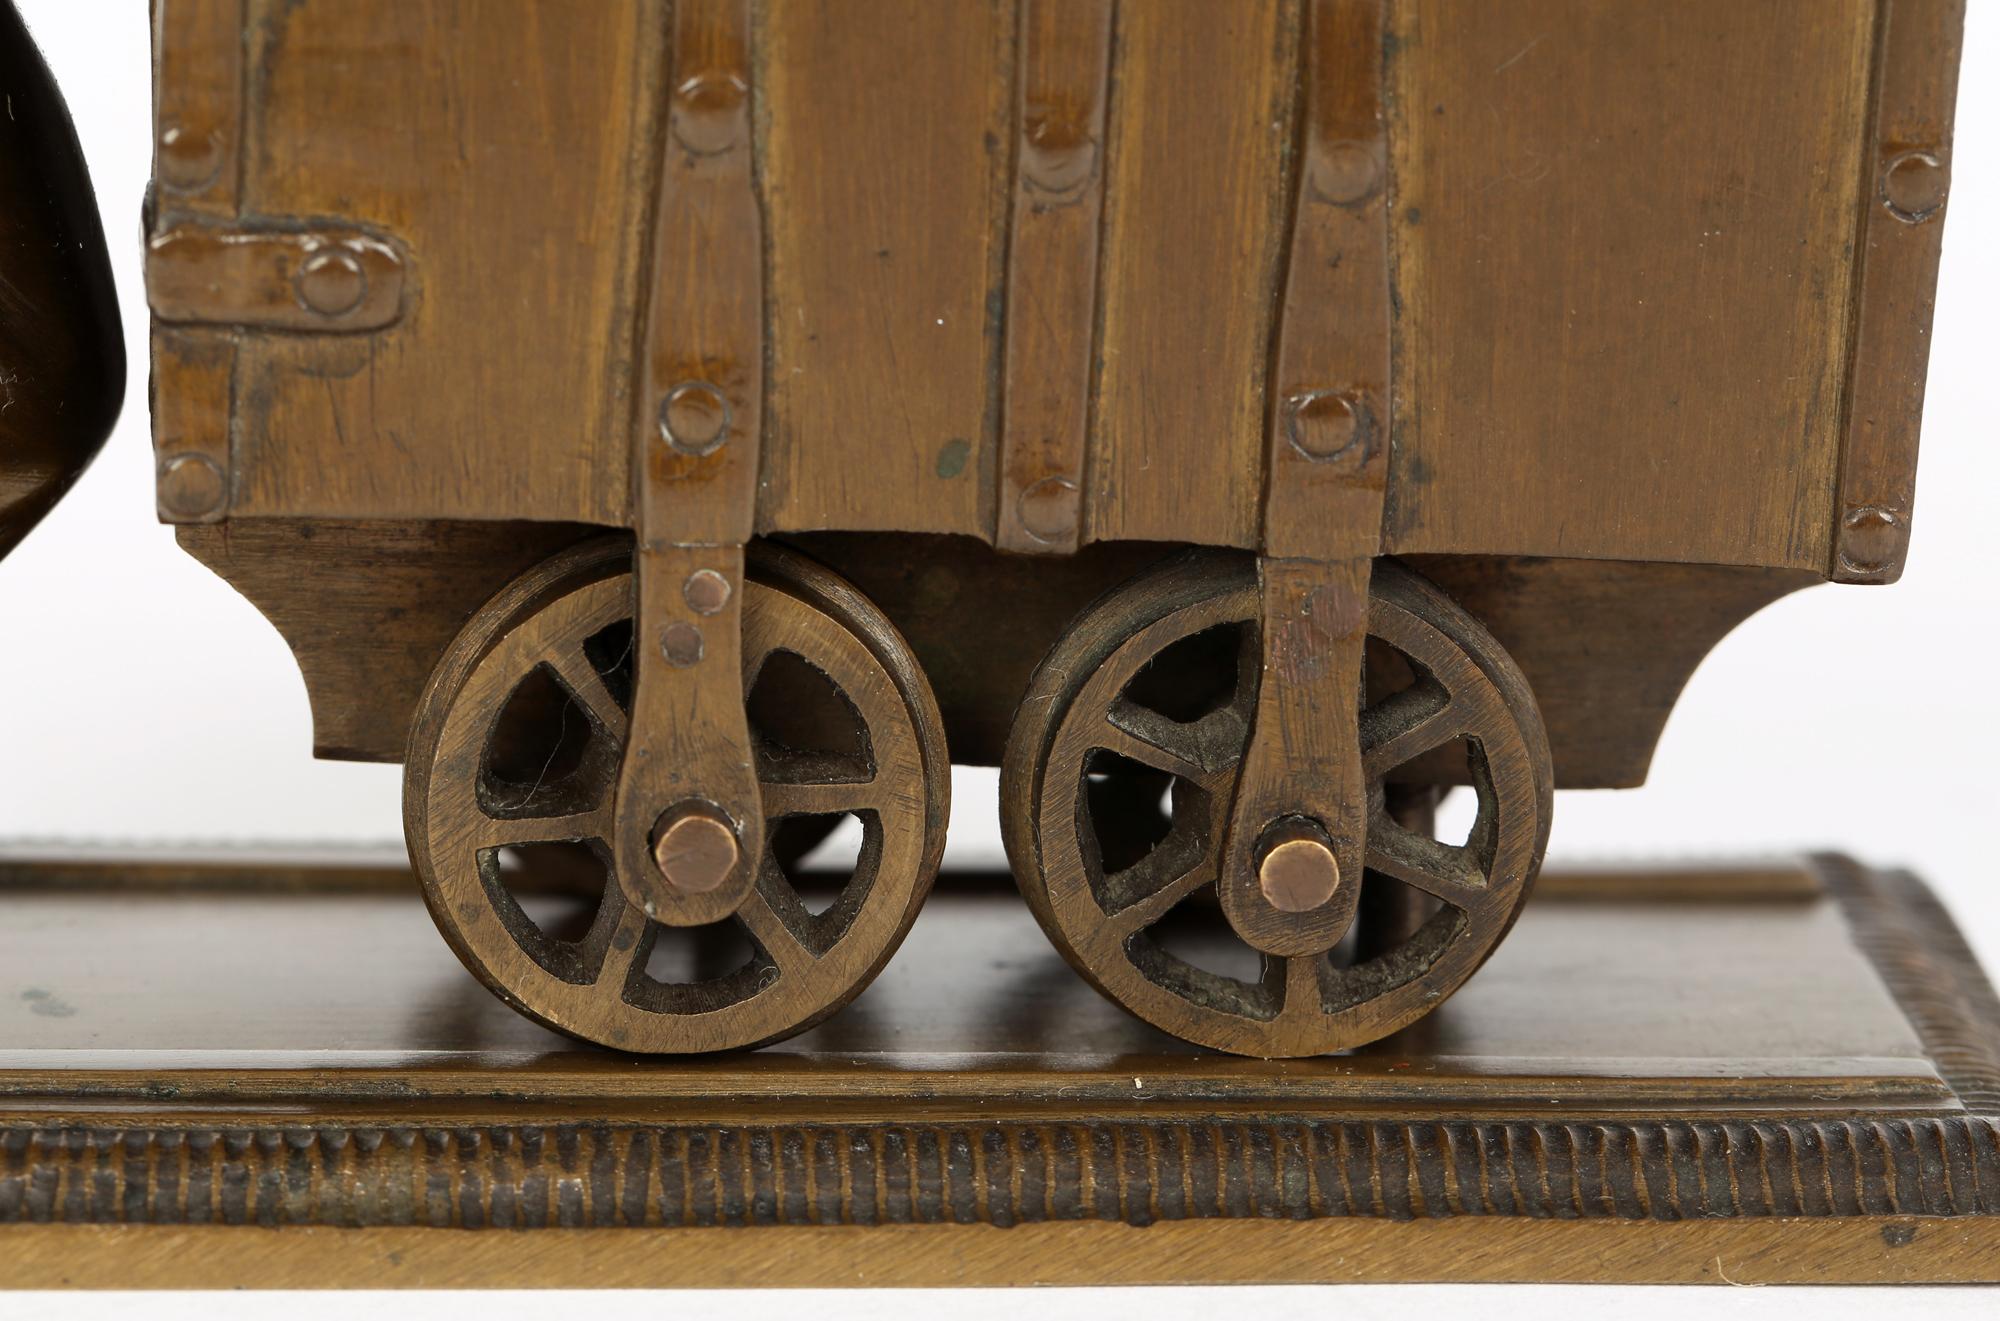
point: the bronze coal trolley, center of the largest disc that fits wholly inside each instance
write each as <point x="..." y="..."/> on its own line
<point x="672" y="430"/>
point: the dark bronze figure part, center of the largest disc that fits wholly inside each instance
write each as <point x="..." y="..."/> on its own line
<point x="62" y="356"/>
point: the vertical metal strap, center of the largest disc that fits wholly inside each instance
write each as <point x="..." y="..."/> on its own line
<point x="1052" y="285"/>
<point x="1908" y="174"/>
<point x="701" y="381"/>
<point x="695" y="456"/>
<point x="1328" y="444"/>
<point x="1329" y="417"/>
<point x="198" y="172"/>
<point x="198" y="106"/>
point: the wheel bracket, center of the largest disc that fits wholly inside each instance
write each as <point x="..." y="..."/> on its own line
<point x="1304" y="759"/>
<point x="696" y="439"/>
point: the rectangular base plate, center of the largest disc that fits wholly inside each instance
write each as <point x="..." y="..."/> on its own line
<point x="243" y="1072"/>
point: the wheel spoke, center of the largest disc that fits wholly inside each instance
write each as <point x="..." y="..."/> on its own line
<point x="832" y="798"/>
<point x="506" y="832"/>
<point x="1451" y="873"/>
<point x="815" y="784"/>
<point x="622" y="946"/>
<point x="1404" y="726"/>
<point x="1160" y="900"/>
<point x="1298" y="984"/>
<point x="577" y="675"/>
<point x="773" y="935"/>
<point x="1201" y="751"/>
<point x="1148" y="753"/>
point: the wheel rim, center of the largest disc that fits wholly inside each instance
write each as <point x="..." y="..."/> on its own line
<point x="513" y="762"/>
<point x="1121" y="698"/>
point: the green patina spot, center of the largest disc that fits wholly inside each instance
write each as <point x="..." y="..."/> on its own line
<point x="47" y="1005"/>
<point x="951" y="459"/>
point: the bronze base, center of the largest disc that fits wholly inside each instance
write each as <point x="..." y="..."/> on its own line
<point x="255" y="1073"/>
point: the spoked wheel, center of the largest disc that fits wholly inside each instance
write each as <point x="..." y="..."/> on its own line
<point x="1151" y="696"/>
<point x="509" y="791"/>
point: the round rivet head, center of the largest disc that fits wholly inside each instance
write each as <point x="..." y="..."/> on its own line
<point x="694" y="418"/>
<point x="1058" y="158"/>
<point x="1298" y="873"/>
<point x="708" y="116"/>
<point x="706" y="592"/>
<point x="189" y="159"/>
<point x="1870" y="539"/>
<point x="331" y="283"/>
<point x="696" y="850"/>
<point x="191" y="486"/>
<point x="1344" y="173"/>
<point x="1913" y="186"/>
<point x="1048" y="509"/>
<point x="682" y="645"/>
<point x="1328" y="424"/>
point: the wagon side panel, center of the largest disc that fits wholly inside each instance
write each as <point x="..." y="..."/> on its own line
<point x="487" y="163"/>
<point x="883" y="156"/>
<point x="1624" y="239"/>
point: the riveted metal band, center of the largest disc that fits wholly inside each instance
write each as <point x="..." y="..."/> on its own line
<point x="197" y="172"/>
<point x="1907" y="175"/>
<point x="1329" y="409"/>
<point x="1052" y="285"/>
<point x="275" y="277"/>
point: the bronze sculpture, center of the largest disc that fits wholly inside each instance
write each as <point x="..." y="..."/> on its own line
<point x="1242" y="424"/>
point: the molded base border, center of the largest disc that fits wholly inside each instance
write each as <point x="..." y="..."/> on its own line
<point x="111" y="1196"/>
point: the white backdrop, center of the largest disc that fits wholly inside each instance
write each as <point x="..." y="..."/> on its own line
<point x="142" y="700"/>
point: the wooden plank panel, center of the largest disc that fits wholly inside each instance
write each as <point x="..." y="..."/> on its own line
<point x="884" y="163"/>
<point x="503" y="142"/>
<point x="1195" y="208"/>
<point x="1624" y="239"/>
